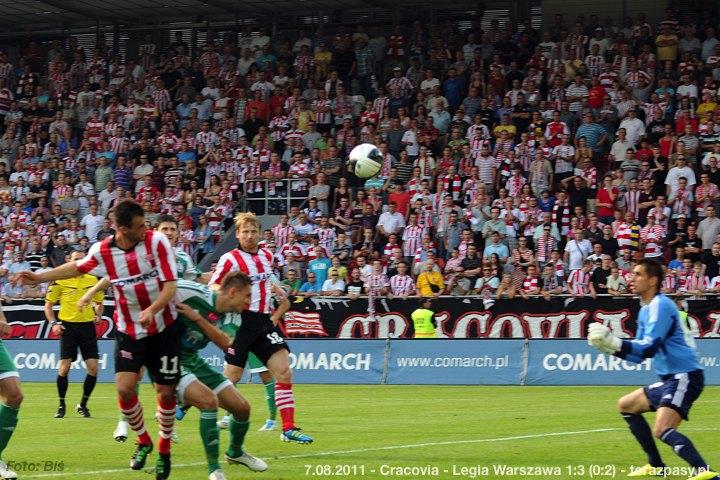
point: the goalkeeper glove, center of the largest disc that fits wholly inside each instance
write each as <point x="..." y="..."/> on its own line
<point x="600" y="337"/>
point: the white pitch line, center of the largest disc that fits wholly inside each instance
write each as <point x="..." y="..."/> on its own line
<point x="358" y="450"/>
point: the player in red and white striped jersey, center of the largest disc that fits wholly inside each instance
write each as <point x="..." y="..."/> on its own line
<point x="259" y="333"/>
<point x="578" y="282"/>
<point x="140" y="264"/>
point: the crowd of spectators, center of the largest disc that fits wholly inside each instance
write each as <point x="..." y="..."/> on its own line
<point x="516" y="161"/>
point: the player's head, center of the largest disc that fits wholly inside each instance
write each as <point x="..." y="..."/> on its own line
<point x="235" y="288"/>
<point x="247" y="230"/>
<point x="130" y="220"/>
<point x="647" y="277"/>
<point x="168" y="226"/>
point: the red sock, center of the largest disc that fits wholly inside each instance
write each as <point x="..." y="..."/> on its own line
<point x="133" y="412"/>
<point x="166" y="419"/>
<point x="285" y="403"/>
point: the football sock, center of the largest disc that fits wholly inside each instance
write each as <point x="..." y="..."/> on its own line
<point x="238" y="429"/>
<point x="88" y="387"/>
<point x="285" y="404"/>
<point x="62" y="388"/>
<point x="270" y="399"/>
<point x="166" y="419"/>
<point x="640" y="428"/>
<point x="132" y="412"/>
<point x="210" y="435"/>
<point x="683" y="447"/>
<point x="8" y="421"/>
<point x="121" y="415"/>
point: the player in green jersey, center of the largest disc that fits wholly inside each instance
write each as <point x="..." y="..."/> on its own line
<point x="214" y="316"/>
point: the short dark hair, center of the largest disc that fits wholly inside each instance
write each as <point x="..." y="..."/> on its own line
<point x="653" y="268"/>
<point x="126" y="211"/>
<point x="237" y="280"/>
<point x="167" y="219"/>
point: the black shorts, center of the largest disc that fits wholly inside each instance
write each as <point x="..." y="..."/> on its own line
<point x="78" y="335"/>
<point x="258" y="335"/>
<point x="159" y="353"/>
<point x="677" y="391"/>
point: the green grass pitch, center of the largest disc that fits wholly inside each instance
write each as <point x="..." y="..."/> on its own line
<point x="370" y="432"/>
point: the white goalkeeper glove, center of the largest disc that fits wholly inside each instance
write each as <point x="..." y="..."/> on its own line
<point x="600" y="337"/>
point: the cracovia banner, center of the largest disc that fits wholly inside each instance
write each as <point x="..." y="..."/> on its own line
<point x="457" y="317"/>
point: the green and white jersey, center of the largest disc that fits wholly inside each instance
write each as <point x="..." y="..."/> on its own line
<point x="203" y="300"/>
<point x="185" y="266"/>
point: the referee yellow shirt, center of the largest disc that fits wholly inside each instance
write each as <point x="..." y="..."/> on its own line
<point x="68" y="292"/>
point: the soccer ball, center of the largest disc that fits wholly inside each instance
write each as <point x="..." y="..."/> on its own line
<point x="366" y="159"/>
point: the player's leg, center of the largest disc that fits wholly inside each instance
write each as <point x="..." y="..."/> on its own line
<point x="12" y="396"/>
<point x="89" y="350"/>
<point x="163" y="364"/>
<point x="62" y="385"/>
<point x="279" y="365"/>
<point x="190" y="391"/>
<point x="132" y="411"/>
<point x="121" y="430"/>
<point x="130" y="355"/>
<point x="68" y="354"/>
<point x="631" y="407"/>
<point x="235" y="360"/>
<point x="239" y="409"/>
<point x="261" y="370"/>
<point x="679" y="393"/>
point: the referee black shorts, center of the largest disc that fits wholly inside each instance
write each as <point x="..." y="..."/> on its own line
<point x="78" y="336"/>
<point x="258" y="335"/>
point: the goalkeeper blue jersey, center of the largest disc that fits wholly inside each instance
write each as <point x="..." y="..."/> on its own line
<point x="662" y="336"/>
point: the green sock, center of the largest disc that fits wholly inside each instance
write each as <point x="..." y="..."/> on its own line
<point x="270" y="399"/>
<point x="210" y="435"/>
<point x="8" y="421"/>
<point x="238" y="430"/>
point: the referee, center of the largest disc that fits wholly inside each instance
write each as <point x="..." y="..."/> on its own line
<point x="76" y="329"/>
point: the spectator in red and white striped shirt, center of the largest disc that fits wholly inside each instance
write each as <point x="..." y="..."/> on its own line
<point x="652" y="237"/>
<point x="530" y="284"/>
<point x="578" y="282"/>
<point x="402" y="284"/>
<point x="697" y="282"/>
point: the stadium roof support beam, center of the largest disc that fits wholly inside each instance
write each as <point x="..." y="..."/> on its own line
<point x="221" y="6"/>
<point x="61" y="6"/>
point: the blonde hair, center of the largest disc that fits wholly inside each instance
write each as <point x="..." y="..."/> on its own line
<point x="246" y="217"/>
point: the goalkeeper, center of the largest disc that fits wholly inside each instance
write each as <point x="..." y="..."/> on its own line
<point x="661" y="336"/>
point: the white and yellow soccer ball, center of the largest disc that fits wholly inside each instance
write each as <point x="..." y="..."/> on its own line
<point x="366" y="160"/>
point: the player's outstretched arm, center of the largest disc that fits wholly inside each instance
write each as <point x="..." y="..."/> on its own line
<point x="66" y="270"/>
<point x="101" y="285"/>
<point x="217" y="336"/>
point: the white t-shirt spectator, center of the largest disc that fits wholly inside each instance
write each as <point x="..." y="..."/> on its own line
<point x="577" y="252"/>
<point x="92" y="225"/>
<point x="330" y="286"/>
<point x="391" y="222"/>
<point x="413" y="147"/>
